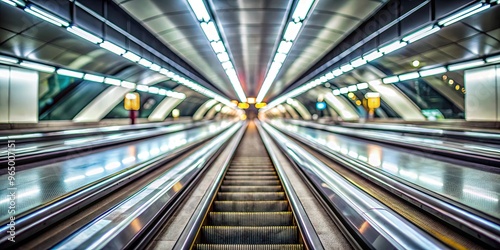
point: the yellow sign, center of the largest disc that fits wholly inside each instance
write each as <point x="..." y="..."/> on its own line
<point x="260" y="105"/>
<point x="243" y="105"/>
<point x="132" y="101"/>
<point x="373" y="100"/>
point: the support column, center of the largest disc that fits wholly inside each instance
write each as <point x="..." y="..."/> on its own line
<point x="18" y="95"/>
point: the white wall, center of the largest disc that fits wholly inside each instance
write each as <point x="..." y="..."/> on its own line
<point x="18" y="95"/>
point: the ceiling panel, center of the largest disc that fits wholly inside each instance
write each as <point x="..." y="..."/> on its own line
<point x="252" y="31"/>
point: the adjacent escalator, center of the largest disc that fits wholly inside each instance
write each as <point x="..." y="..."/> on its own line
<point x="250" y="209"/>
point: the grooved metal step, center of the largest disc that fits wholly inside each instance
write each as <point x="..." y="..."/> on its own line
<point x="249" y="235"/>
<point x="249" y="170"/>
<point x="250" y="209"/>
<point x="250" y="173"/>
<point x="250" y="188"/>
<point x="252" y="177"/>
<point x="251" y="183"/>
<point x="250" y="206"/>
<point x="250" y="218"/>
<point x="251" y="196"/>
<point x="249" y="247"/>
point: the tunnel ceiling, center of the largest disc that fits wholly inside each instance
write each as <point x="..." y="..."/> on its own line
<point x="473" y="37"/>
<point x="252" y="31"/>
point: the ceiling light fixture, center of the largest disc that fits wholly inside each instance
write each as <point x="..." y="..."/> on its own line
<point x="70" y="73"/>
<point x="112" y="47"/>
<point x="289" y="35"/>
<point x="35" y="11"/>
<point x="464" y="14"/>
<point x="38" y="66"/>
<point x="200" y="10"/>
<point x="431" y="72"/>
<point x="84" y="34"/>
<point x="466" y="65"/>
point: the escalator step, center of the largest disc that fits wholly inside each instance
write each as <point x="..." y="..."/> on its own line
<point x="250" y="235"/>
<point x="252" y="206"/>
<point x="250" y="196"/>
<point x="250" y="177"/>
<point x="250" y="188"/>
<point x="249" y="247"/>
<point x="251" y="183"/>
<point x="250" y="170"/>
<point x="251" y="218"/>
<point x="250" y="173"/>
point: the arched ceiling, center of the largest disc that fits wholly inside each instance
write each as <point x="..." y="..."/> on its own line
<point x="252" y="31"/>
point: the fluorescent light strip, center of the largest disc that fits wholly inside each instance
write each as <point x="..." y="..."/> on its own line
<point x="358" y="62"/>
<point x="38" y="66"/>
<point x="391" y="79"/>
<point x="329" y="76"/>
<point x="145" y="63"/>
<point x="128" y="85"/>
<point x="279" y="57"/>
<point x="154" y="90"/>
<point x="227" y="65"/>
<point x="131" y="56"/>
<point x="93" y="78"/>
<point x="141" y="87"/>
<point x="337" y="72"/>
<point x="155" y="67"/>
<point x="9" y="3"/>
<point x="84" y="34"/>
<point x="372" y="56"/>
<point x="493" y="59"/>
<point x="292" y="30"/>
<point x="336" y="92"/>
<point x="408" y="76"/>
<point x="223" y="57"/>
<point x="421" y="33"/>
<point x="210" y="31"/>
<point x="69" y="73"/>
<point x="352" y="88"/>
<point x="284" y="47"/>
<point x="431" y="72"/>
<point x="112" y="47"/>
<point x="362" y="85"/>
<point x="346" y="68"/>
<point x="392" y="47"/>
<point x="112" y="81"/>
<point x="200" y="10"/>
<point x="487" y="6"/>
<point x="466" y="65"/>
<point x="8" y="59"/>
<point x="301" y="10"/>
<point x="46" y="16"/>
<point x="344" y="90"/>
<point x="218" y="46"/>
<point x="460" y="13"/>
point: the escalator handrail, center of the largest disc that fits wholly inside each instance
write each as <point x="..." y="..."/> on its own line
<point x="123" y="233"/>
<point x="309" y="234"/>
<point x="455" y="214"/>
<point x="397" y="232"/>
<point x="39" y="218"/>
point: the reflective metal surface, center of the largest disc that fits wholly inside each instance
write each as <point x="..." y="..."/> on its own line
<point x="379" y="227"/>
<point x="119" y="225"/>
<point x="475" y="188"/>
<point x="43" y="184"/>
<point x="488" y="154"/>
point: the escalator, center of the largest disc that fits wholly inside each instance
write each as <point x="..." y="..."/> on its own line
<point x="250" y="209"/>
